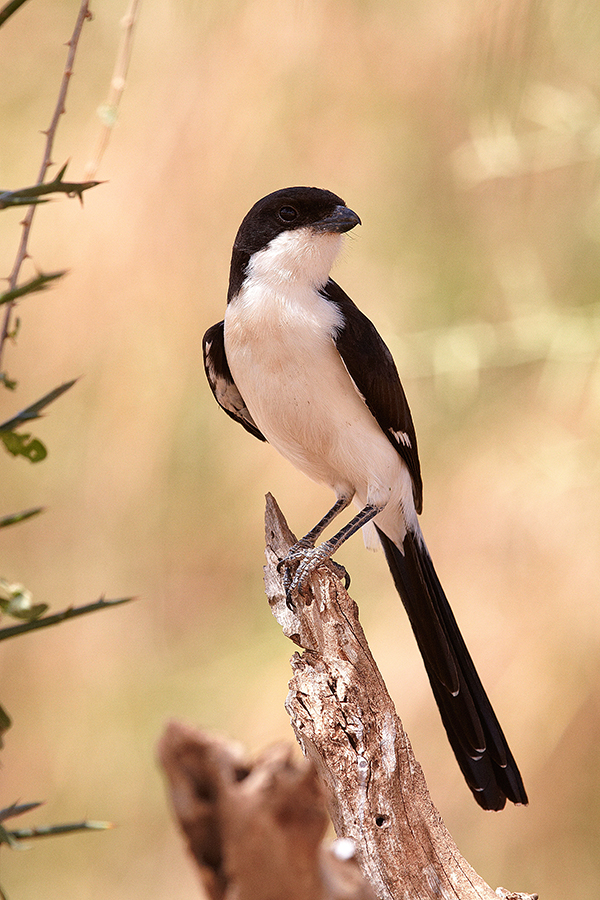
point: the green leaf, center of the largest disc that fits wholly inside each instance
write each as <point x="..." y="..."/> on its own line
<point x="33" y="411"/>
<point x="8" y="383"/>
<point x="18" y="809"/>
<point x="40" y="283"/>
<point x="17" y="601"/>
<point x="31" y="195"/>
<point x="23" y="834"/>
<point x="24" y="445"/>
<point x="13" y="518"/>
<point x="26" y="610"/>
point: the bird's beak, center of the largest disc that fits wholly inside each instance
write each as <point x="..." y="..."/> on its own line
<point x="341" y="219"/>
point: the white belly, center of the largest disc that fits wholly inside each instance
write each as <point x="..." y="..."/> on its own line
<point x="286" y="366"/>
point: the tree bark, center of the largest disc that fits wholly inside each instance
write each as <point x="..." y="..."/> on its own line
<point x="346" y="724"/>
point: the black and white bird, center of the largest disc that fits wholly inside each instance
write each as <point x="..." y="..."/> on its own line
<point x="297" y="364"/>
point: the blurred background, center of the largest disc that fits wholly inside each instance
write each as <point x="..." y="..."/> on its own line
<point x="466" y="135"/>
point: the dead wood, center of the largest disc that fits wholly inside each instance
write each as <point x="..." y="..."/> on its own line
<point x="346" y="724"/>
<point x="255" y="828"/>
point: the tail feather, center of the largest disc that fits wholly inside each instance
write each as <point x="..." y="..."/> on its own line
<point x="473" y="730"/>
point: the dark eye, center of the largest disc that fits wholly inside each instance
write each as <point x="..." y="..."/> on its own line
<point x="288" y="213"/>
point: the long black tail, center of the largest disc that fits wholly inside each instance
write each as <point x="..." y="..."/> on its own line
<point x="470" y="722"/>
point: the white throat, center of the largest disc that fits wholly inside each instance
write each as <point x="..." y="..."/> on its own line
<point x="303" y="256"/>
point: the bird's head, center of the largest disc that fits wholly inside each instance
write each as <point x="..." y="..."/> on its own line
<point x="295" y="232"/>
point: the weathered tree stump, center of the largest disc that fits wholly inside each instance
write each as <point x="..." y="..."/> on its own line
<point x="346" y="723"/>
<point x="255" y="828"/>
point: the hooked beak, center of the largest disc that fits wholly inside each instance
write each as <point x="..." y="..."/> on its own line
<point x="341" y="219"/>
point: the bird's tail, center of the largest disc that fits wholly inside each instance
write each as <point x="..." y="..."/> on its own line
<point x="473" y="730"/>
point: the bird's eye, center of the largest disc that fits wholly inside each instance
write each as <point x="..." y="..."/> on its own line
<point x="288" y="213"/>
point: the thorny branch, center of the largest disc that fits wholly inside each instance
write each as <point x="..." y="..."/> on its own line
<point x="22" y="254"/>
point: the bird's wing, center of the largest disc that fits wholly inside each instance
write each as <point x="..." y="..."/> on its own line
<point x="373" y="371"/>
<point x="221" y="380"/>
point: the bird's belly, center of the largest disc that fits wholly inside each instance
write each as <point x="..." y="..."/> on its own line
<point x="303" y="400"/>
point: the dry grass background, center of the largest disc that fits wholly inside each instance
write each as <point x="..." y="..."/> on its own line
<point x="466" y="135"/>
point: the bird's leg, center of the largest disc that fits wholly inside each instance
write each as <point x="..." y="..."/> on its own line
<point x="300" y="549"/>
<point x="312" y="557"/>
<point x="309" y="539"/>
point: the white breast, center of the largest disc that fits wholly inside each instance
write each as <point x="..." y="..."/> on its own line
<point x="279" y="343"/>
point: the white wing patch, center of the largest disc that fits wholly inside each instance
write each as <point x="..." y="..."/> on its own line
<point x="401" y="437"/>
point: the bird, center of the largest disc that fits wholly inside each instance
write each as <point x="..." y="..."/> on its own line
<point x="297" y="364"/>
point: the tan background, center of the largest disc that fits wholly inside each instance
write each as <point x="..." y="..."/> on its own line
<point x="466" y="135"/>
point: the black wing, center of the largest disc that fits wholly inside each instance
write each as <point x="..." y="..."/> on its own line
<point x="221" y="380"/>
<point x="372" y="368"/>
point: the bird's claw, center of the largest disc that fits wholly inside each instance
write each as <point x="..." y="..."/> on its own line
<point x="290" y="566"/>
<point x="341" y="573"/>
<point x="307" y="560"/>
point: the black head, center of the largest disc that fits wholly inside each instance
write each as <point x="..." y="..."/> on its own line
<point x="287" y="210"/>
<point x="290" y="208"/>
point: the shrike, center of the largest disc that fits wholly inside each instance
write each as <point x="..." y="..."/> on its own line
<point x="298" y="365"/>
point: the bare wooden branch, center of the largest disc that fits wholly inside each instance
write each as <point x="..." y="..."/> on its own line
<point x="346" y="724"/>
<point x="108" y="111"/>
<point x="255" y="829"/>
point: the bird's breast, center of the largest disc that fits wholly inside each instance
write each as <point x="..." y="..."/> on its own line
<point x="281" y="350"/>
<point x="278" y="333"/>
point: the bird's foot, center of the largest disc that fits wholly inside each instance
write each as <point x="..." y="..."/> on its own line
<point x="341" y="573"/>
<point x="300" y="563"/>
<point x="290" y="566"/>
